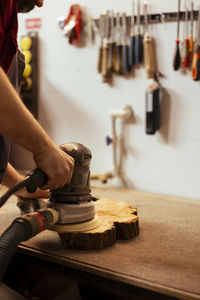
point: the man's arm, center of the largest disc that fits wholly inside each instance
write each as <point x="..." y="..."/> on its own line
<point x="18" y="124"/>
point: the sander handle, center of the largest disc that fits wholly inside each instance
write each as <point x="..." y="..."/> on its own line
<point x="37" y="178"/>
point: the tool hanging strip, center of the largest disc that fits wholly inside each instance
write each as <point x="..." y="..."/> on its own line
<point x="162" y="17"/>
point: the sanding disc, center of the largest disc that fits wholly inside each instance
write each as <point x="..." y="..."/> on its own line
<point x="79" y="227"/>
<point x="74" y="213"/>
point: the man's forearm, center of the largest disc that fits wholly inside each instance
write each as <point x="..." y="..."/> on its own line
<point x="16" y="122"/>
<point x="12" y="177"/>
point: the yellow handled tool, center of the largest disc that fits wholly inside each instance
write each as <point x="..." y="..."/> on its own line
<point x="149" y="61"/>
<point x="119" y="60"/>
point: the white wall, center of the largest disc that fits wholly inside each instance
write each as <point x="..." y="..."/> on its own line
<point x="75" y="104"/>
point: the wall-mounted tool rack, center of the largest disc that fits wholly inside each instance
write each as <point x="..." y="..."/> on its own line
<point x="161" y="18"/>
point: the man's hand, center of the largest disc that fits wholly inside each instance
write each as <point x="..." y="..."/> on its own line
<point x="56" y="164"/>
<point x="37" y="194"/>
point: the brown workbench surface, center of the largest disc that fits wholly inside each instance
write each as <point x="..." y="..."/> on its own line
<point x="165" y="257"/>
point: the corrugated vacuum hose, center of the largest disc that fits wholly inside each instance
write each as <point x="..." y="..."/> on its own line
<point x="14" y="234"/>
<point x="22" y="229"/>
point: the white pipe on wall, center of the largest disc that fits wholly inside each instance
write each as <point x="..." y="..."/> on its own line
<point x="117" y="143"/>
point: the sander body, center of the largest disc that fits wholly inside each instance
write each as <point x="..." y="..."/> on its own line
<point x="74" y="200"/>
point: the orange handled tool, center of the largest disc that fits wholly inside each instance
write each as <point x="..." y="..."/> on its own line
<point x="185" y="54"/>
<point x="196" y="56"/>
<point x="191" y="48"/>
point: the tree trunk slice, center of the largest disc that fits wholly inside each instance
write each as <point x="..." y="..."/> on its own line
<point x="117" y="220"/>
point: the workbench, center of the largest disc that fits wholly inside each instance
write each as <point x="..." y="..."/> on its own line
<point x="164" y="258"/>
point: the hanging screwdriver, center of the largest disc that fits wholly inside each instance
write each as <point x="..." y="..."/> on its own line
<point x="148" y="47"/>
<point x="125" y="47"/>
<point x="177" y="57"/>
<point x="132" y="37"/>
<point x="191" y="47"/>
<point x="105" y="71"/>
<point x="196" y="56"/>
<point x="185" y="54"/>
<point x="112" y="45"/>
<point x="119" y="61"/>
<point x="99" y="66"/>
<point x="138" y="39"/>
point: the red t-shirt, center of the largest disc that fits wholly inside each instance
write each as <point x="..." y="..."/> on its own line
<point x="8" y="32"/>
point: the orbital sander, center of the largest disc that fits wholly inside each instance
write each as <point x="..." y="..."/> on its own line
<point x="72" y="204"/>
<point x="74" y="201"/>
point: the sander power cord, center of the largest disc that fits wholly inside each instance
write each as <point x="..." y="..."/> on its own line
<point x="37" y="178"/>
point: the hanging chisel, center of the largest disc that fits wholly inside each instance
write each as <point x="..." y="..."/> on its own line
<point x="101" y="32"/>
<point x="185" y="54"/>
<point x="149" y="62"/>
<point x="105" y="71"/>
<point x="191" y="47"/>
<point x="119" y="61"/>
<point x="196" y="56"/>
<point x="125" y="47"/>
<point x="177" y="57"/>
<point x="132" y="37"/>
<point x="112" y="45"/>
<point x="138" y="39"/>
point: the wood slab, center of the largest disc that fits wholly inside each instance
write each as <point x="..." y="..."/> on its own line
<point x="117" y="220"/>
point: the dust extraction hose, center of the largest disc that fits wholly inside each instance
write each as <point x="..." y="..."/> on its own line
<point x="22" y="229"/>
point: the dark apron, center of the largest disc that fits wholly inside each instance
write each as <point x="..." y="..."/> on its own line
<point x="15" y="76"/>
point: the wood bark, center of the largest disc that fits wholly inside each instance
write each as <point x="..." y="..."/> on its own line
<point x="117" y="220"/>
